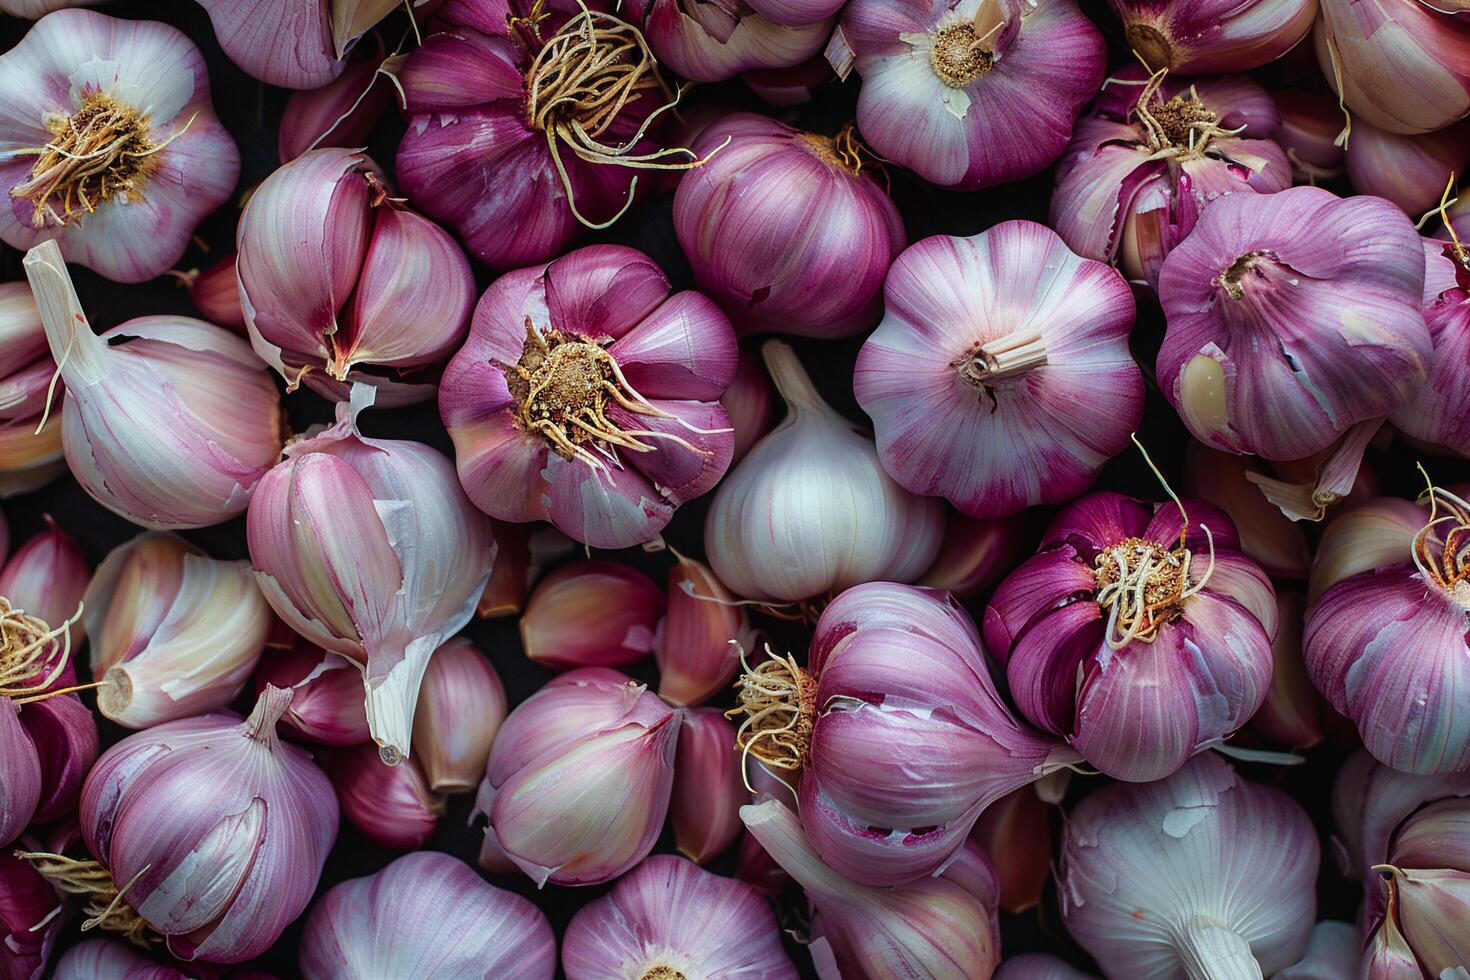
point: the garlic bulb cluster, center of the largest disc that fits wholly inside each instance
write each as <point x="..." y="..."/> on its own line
<point x="810" y="511"/>
<point x="995" y="344"/>
<point x="369" y="548"/>
<point x="1160" y="880"/>
<point x="169" y="421"/>
<point x="426" y="914"/>
<point x="119" y="152"/>
<point x="174" y="633"/>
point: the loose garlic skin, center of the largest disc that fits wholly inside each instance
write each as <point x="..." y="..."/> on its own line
<point x="810" y="511"/>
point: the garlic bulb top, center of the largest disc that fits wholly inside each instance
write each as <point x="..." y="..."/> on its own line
<point x="810" y="510"/>
<point x="994" y="347"/>
<point x="169" y="421"/>
<point x="111" y="144"/>
<point x="1160" y="880"/>
<point x="1291" y="317"/>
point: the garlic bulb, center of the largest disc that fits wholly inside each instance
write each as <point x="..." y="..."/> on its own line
<point x="1291" y="317"/>
<point x="126" y="155"/>
<point x="425" y="915"/>
<point x="1401" y="65"/>
<point x="989" y="349"/>
<point x="810" y="511"/>
<point x="1162" y="880"/>
<point x="1210" y="37"/>
<point x="369" y="548"/>
<point x="217" y="829"/>
<point x="174" y="633"/>
<point x="169" y="421"/>
<point x="669" y="918"/>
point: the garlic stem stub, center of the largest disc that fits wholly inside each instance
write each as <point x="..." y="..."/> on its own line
<point x="1292" y="317"/>
<point x="991" y="348"/>
<point x="949" y="85"/>
<point x="586" y="396"/>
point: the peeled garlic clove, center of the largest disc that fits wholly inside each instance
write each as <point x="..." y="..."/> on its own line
<point x="20" y="773"/>
<point x="1308" y="134"/>
<point x="1015" y="832"/>
<point x="1039" y="966"/>
<point x="974" y="555"/>
<point x="391" y="805"/>
<point x="425" y="907"/>
<point x="1292" y="713"/>
<point x="368" y="547"/>
<point x="1397" y="64"/>
<point x="29" y="901"/>
<point x="708" y="789"/>
<point x="280" y="42"/>
<point x="342" y="112"/>
<point x="930" y="927"/>
<point x="1268" y="536"/>
<point x="810" y="511"/>
<point x="668" y="917"/>
<point x="174" y="632"/>
<point x="999" y="352"/>
<point x="698" y="650"/>
<point x="592" y="614"/>
<point x="1193" y="38"/>
<point x="342" y="283"/>
<point x="1377" y="533"/>
<point x="217" y="793"/>
<point x="1162" y="879"/>
<point x="120" y="155"/>
<point x="326" y="690"/>
<point x="942" y="87"/>
<point x="590" y="734"/>
<point x="461" y="706"/>
<point x="1340" y="306"/>
<point x="704" y="46"/>
<point x="215" y="293"/>
<point x="1410" y="171"/>
<point x="47" y="577"/>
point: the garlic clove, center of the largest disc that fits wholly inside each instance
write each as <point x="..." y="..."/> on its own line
<point x="1267" y="536"/>
<point x="1309" y="126"/>
<point x="974" y="555"/>
<point x="29" y="460"/>
<point x="109" y="959"/>
<point x="1433" y="907"/>
<point x="667" y="917"/>
<point x="326" y="690"/>
<point x="1368" y="536"/>
<point x="20" y="773"/>
<point x="1015" y="833"/>
<point x="706" y="48"/>
<point x="704" y="630"/>
<point x="63" y="731"/>
<point x="1388" y="956"/>
<point x="29" y="901"/>
<point x="1410" y="171"/>
<point x="215" y="293"/>
<point x="592" y="614"/>
<point x="708" y="788"/>
<point x="1292" y="714"/>
<point x="748" y="403"/>
<point x="679" y="351"/>
<point x="461" y="706"/>
<point x="47" y="577"/>
<point x="757" y="869"/>
<point x="342" y="112"/>
<point x="174" y="632"/>
<point x="252" y="38"/>
<point x="1196" y="39"/>
<point x="391" y="805"/>
<point x="1434" y="837"/>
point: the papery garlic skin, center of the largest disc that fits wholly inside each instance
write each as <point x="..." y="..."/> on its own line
<point x="341" y="283"/>
<point x="1398" y="64"/>
<point x="368" y="548"/>
<point x="578" y="782"/>
<point x="174" y="633"/>
<point x="997" y="344"/>
<point x="1163" y="879"/>
<point x="811" y="511"/>
<point x="1291" y="317"/>
<point x="391" y="805"/>
<point x="169" y="421"/>
<point x="461" y="707"/>
<point x="1387" y="647"/>
<point x="28" y="460"/>
<point x="426" y="914"/>
<point x="215" y="292"/>
<point x="612" y="313"/>
<point x="1308" y="132"/>
<point x="668" y="917"/>
<point x="221" y="829"/>
<point x="1439" y="412"/>
<point x="1214" y="36"/>
<point x="909" y="739"/>
<point x="592" y="614"/>
<point x="928" y="928"/>
<point x="708" y="787"/>
<point x="785" y="229"/>
<point x="972" y="93"/>
<point x="281" y="42"/>
<point x="706" y="41"/>
<point x="1137" y="692"/>
<point x="144" y="85"/>
<point x="1150" y="156"/>
<point x="1410" y="171"/>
